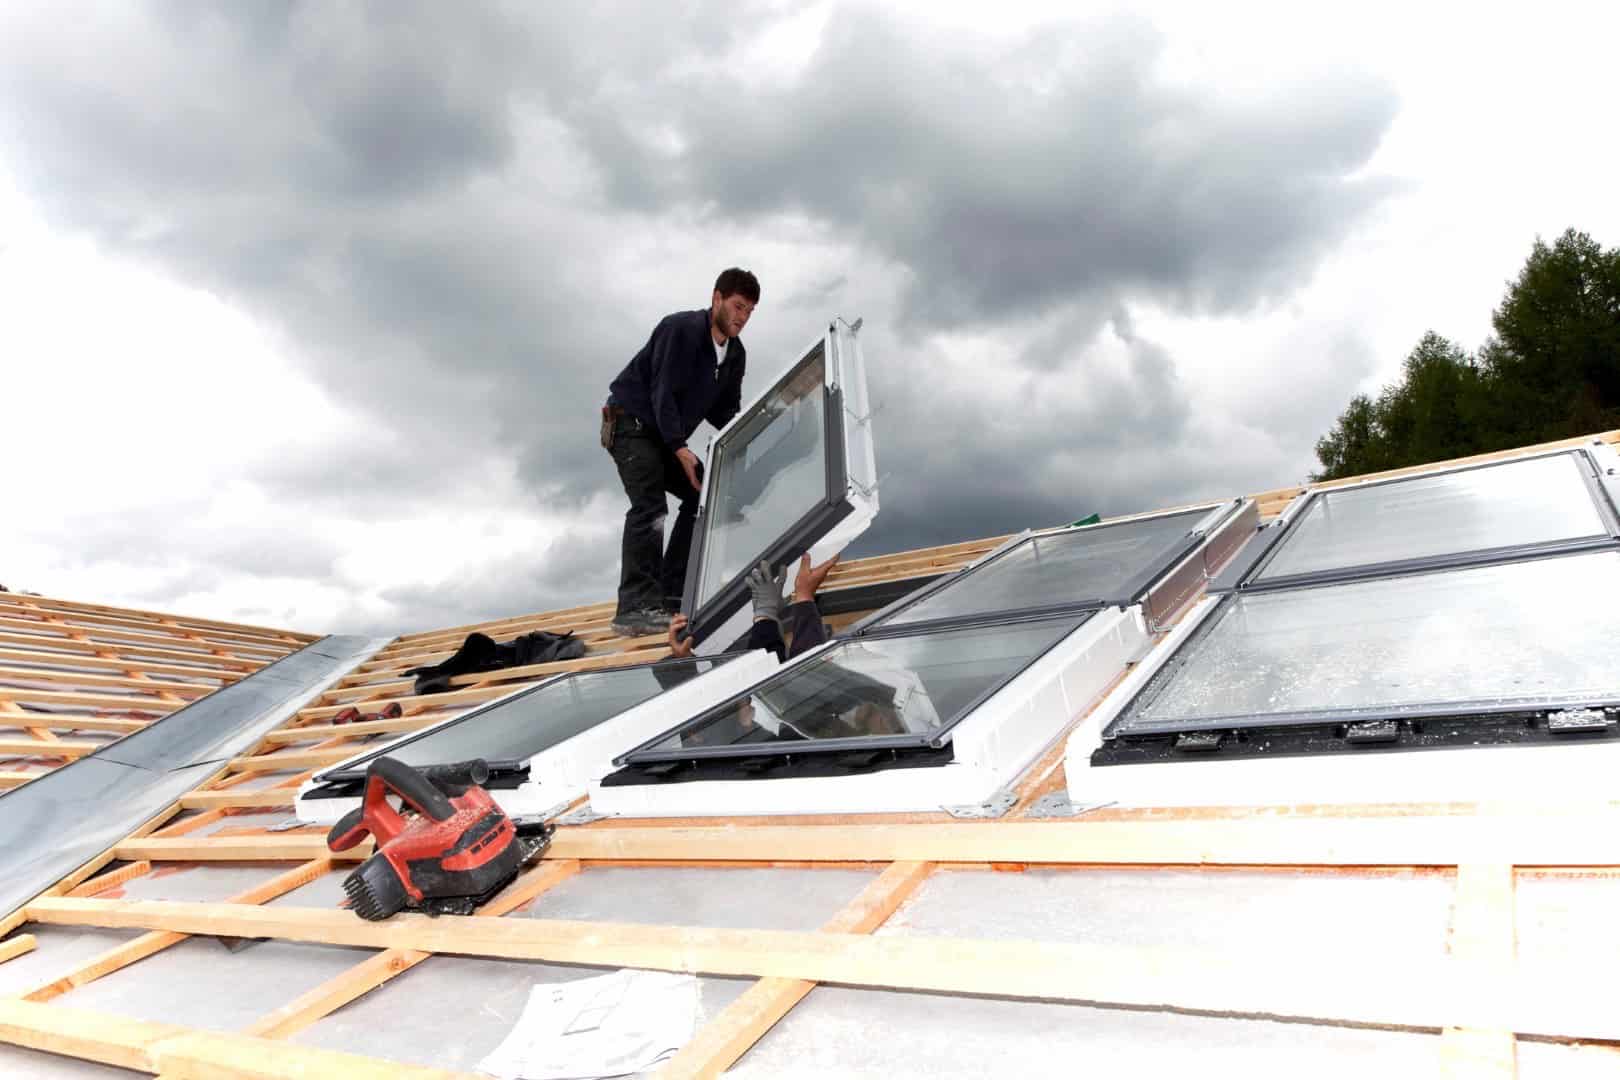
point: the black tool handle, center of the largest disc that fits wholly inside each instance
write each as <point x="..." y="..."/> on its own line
<point x="412" y="786"/>
<point x="454" y="780"/>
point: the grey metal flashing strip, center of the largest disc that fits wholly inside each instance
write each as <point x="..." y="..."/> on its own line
<point x="51" y="826"/>
<point x="1264" y="539"/>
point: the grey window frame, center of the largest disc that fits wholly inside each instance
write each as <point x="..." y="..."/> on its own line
<point x="703" y="620"/>
<point x="1245" y="573"/>
<point x="643" y="754"/>
<point x="1133" y="590"/>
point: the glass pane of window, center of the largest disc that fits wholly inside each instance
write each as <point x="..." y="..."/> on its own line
<point x="1074" y="566"/>
<point x="1520" y="502"/>
<point x="517" y="729"/>
<point x="1526" y="634"/>
<point x="769" y="471"/>
<point x="911" y="687"/>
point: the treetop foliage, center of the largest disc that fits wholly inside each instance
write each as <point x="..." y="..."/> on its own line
<point x="1550" y="370"/>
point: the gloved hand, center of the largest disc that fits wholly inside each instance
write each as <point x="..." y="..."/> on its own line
<point x="766" y="589"/>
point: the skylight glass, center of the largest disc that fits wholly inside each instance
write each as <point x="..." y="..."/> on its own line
<point x="1532" y="501"/>
<point x="1093" y="564"/>
<point x="1530" y="634"/>
<point x="517" y="728"/>
<point x="904" y="690"/>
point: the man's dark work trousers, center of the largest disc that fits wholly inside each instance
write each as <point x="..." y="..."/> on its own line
<point x="651" y="576"/>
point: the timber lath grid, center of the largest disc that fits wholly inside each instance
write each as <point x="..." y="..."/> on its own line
<point x="76" y="677"/>
<point x="1481" y="998"/>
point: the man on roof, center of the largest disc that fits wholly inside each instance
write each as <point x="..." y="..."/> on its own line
<point x="690" y="370"/>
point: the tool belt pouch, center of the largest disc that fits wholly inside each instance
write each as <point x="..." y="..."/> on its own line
<point x="607" y="427"/>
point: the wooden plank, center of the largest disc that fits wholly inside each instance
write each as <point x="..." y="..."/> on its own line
<point x="251" y="644"/>
<point x="117" y="663"/>
<point x="317" y="732"/>
<point x="93" y="1036"/>
<point x="45" y="638"/>
<point x="271" y="797"/>
<point x="1577" y="840"/>
<point x="11" y="948"/>
<point x="100" y="701"/>
<point x="9" y="780"/>
<point x="12" y="676"/>
<point x="372" y="973"/>
<point x="186" y="1053"/>
<point x="1482" y="940"/>
<point x="76" y="722"/>
<point x="429" y="701"/>
<point x="121" y="956"/>
<point x="1438" y="840"/>
<point x="112" y="879"/>
<point x="281" y="847"/>
<point x="294" y="759"/>
<point x="723" y="1040"/>
<point x="1288" y="983"/>
<point x="68" y="608"/>
<point x="64" y="748"/>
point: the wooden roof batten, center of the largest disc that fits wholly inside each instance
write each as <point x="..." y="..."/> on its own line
<point x="1480" y="999"/>
<point x="75" y="677"/>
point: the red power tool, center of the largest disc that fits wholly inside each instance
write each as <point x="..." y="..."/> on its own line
<point x="445" y="851"/>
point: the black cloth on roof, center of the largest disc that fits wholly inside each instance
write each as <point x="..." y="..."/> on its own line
<point x="480" y="652"/>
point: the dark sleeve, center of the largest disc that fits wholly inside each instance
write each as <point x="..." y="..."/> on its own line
<point x="765" y="634"/>
<point x="730" y="397"/>
<point x="805" y="627"/>
<point x="670" y="364"/>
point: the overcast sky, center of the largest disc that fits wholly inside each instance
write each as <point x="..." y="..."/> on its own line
<point x="306" y="310"/>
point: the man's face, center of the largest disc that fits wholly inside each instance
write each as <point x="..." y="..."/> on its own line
<point x="731" y="313"/>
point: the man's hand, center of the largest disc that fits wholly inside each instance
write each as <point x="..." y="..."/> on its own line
<point x="809" y="578"/>
<point x="691" y="465"/>
<point x="679" y="648"/>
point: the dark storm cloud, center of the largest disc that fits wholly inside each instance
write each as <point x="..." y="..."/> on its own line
<point x="1006" y="177"/>
<point x="465" y="218"/>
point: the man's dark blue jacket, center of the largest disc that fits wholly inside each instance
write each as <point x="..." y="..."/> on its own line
<point x="672" y="384"/>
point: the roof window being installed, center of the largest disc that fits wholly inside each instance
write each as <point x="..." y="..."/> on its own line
<point x="793" y="472"/>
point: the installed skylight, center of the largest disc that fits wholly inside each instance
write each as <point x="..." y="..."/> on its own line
<point x="794" y="472"/>
<point x="1524" y="504"/>
<point x="1536" y="634"/>
<point x="904" y="690"/>
<point x="510" y="731"/>
<point x="1090" y="565"/>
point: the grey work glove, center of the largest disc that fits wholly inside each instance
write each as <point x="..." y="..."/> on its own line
<point x="766" y="589"/>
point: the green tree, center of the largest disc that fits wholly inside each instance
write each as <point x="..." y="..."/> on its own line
<point x="1551" y="370"/>
<point x="1428" y="415"/>
<point x="1555" y="357"/>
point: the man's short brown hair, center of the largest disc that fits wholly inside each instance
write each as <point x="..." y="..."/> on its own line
<point x="736" y="280"/>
